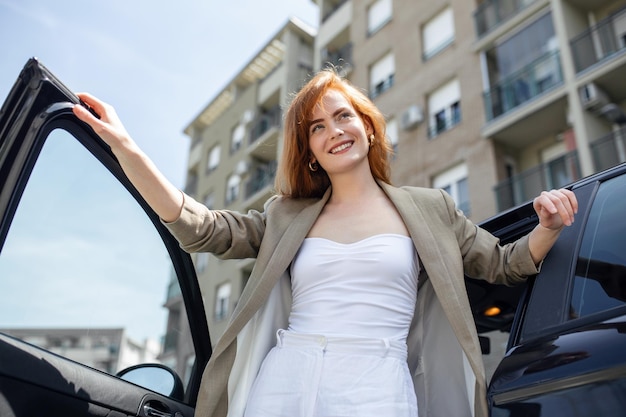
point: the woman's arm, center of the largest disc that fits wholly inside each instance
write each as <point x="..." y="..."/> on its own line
<point x="164" y="198"/>
<point x="556" y="209"/>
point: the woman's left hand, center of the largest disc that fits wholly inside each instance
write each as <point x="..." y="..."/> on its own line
<point x="556" y="208"/>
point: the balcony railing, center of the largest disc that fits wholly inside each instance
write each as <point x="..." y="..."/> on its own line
<point x="531" y="81"/>
<point x="265" y="122"/>
<point x="599" y="42"/>
<point x="609" y="150"/>
<point x="262" y="177"/>
<point x="528" y="184"/>
<point x="491" y="13"/>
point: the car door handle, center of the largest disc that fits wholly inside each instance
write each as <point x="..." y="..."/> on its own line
<point x="153" y="412"/>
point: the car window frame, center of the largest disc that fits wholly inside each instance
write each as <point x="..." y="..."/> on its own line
<point x="546" y="310"/>
<point x="39" y="103"/>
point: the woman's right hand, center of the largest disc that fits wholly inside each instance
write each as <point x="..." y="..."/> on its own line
<point x="164" y="198"/>
<point x="109" y="126"/>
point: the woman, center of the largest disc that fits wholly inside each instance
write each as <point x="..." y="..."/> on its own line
<point x="331" y="322"/>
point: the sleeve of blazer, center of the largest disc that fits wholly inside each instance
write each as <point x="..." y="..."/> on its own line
<point x="483" y="256"/>
<point x="225" y="233"/>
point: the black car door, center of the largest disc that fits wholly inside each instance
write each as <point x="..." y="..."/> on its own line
<point x="94" y="292"/>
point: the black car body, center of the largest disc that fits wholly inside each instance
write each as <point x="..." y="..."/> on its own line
<point x="565" y="327"/>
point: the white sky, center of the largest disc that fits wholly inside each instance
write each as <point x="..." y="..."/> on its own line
<point x="159" y="63"/>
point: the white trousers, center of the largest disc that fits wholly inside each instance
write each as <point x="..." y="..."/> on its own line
<point x="318" y="376"/>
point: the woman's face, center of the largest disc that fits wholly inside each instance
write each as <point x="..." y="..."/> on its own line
<point x="337" y="135"/>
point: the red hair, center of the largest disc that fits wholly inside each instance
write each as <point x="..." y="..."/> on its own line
<point x="294" y="178"/>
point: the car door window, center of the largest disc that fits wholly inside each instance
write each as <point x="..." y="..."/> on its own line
<point x="83" y="271"/>
<point x="600" y="281"/>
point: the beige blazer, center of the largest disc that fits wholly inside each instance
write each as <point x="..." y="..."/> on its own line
<point x="444" y="353"/>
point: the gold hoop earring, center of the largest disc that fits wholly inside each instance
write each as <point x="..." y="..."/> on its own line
<point x="371" y="138"/>
<point x="313" y="166"/>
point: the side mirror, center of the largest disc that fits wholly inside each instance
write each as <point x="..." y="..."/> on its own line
<point x="156" y="377"/>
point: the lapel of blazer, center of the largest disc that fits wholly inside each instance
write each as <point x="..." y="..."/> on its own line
<point x="444" y="272"/>
<point x="271" y="270"/>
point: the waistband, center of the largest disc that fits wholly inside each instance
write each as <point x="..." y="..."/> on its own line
<point x="381" y="347"/>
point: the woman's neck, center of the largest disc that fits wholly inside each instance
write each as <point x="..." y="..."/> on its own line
<point x="353" y="188"/>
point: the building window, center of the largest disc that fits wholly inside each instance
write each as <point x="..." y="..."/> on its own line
<point x="454" y="182"/>
<point x="522" y="49"/>
<point x="232" y="188"/>
<point x="438" y="33"/>
<point x="378" y="14"/>
<point x="522" y="67"/>
<point x="222" y="301"/>
<point x="214" y="159"/>
<point x="444" y="106"/>
<point x="392" y="135"/>
<point x="381" y="75"/>
<point x="236" y="139"/>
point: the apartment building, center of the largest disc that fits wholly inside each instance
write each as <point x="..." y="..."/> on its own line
<point x="491" y="100"/>
<point x="494" y="100"/>
<point x="107" y="349"/>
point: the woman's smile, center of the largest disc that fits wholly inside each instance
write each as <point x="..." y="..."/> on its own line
<point x="341" y="147"/>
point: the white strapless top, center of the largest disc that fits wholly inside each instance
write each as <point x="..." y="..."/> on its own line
<point x="364" y="289"/>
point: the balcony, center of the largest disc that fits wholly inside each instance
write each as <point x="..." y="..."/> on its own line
<point x="609" y="150"/>
<point x="263" y="142"/>
<point x="491" y="13"/>
<point x="519" y="88"/>
<point x="528" y="184"/>
<point x="264" y="123"/>
<point x="600" y="42"/>
<point x="258" y="186"/>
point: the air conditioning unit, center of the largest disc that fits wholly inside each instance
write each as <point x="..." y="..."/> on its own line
<point x="411" y="117"/>
<point x="593" y="98"/>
